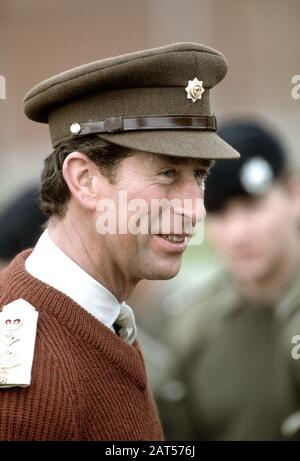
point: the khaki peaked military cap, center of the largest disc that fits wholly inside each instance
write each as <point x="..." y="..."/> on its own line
<point x="155" y="100"/>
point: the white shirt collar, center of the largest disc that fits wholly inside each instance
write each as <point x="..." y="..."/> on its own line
<point x="52" y="266"/>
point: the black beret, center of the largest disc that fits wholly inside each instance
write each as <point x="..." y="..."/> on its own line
<point x="21" y="223"/>
<point x="262" y="160"/>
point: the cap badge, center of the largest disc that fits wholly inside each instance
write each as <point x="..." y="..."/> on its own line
<point x="194" y="89"/>
<point x="256" y="176"/>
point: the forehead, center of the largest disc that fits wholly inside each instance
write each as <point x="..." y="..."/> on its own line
<point x="157" y="159"/>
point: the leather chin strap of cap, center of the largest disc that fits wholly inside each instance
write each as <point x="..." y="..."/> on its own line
<point x="121" y="124"/>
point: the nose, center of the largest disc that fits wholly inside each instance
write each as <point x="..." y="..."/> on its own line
<point x="194" y="210"/>
<point x="192" y="200"/>
<point x="238" y="228"/>
<point x="200" y="211"/>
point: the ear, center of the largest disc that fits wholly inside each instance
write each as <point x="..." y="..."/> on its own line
<point x="79" y="173"/>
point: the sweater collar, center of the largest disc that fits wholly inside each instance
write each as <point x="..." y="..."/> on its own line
<point x="52" y="266"/>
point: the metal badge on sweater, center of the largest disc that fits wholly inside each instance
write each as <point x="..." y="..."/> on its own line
<point x="18" y="324"/>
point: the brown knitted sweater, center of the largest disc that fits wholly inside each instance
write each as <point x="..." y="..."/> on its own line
<point x="87" y="383"/>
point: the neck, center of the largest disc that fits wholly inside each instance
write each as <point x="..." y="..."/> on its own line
<point x="270" y="288"/>
<point x="81" y="245"/>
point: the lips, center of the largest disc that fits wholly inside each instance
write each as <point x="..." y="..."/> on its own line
<point x="172" y="243"/>
<point x="174" y="238"/>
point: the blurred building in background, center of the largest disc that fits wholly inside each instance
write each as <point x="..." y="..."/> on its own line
<point x="259" y="38"/>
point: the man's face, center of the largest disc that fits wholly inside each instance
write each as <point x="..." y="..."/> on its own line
<point x="255" y="235"/>
<point x="155" y="250"/>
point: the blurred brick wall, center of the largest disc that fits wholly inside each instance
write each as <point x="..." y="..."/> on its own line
<point x="38" y="39"/>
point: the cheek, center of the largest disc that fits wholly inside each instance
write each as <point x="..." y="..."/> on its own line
<point x="270" y="224"/>
<point x="122" y="248"/>
<point x="217" y="233"/>
<point x="143" y="203"/>
<point x="148" y="192"/>
<point x="274" y="231"/>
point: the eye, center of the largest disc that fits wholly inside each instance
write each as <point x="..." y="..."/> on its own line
<point x="169" y="173"/>
<point x="200" y="176"/>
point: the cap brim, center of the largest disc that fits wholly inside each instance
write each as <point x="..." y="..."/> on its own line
<point x="186" y="143"/>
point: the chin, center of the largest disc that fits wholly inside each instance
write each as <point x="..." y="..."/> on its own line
<point x="165" y="272"/>
<point x="250" y="271"/>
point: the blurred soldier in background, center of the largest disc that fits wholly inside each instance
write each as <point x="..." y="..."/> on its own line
<point x="20" y="224"/>
<point x="235" y="335"/>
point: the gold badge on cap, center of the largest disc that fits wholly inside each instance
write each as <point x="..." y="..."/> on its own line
<point x="195" y="89"/>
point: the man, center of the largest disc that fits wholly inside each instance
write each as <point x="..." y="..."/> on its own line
<point x="240" y="379"/>
<point x="135" y="127"/>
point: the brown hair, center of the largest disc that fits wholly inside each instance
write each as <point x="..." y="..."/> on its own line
<point x="54" y="191"/>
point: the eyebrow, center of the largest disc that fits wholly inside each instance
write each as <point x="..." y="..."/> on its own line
<point x="206" y="163"/>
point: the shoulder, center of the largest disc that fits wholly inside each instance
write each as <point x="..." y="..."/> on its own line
<point x="42" y="411"/>
<point x="36" y="401"/>
<point x="288" y="308"/>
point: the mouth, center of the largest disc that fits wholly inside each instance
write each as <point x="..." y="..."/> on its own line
<point x="173" y="242"/>
<point x="173" y="238"/>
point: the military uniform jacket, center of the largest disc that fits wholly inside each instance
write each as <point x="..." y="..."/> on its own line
<point x="238" y="363"/>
